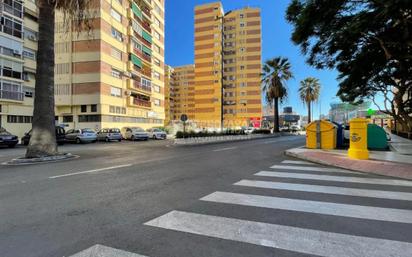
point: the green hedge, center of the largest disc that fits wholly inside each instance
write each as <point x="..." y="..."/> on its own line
<point x="180" y="134"/>
<point x="261" y="131"/>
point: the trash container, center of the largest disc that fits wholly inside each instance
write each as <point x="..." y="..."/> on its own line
<point x="358" y="139"/>
<point x="339" y="135"/>
<point x="321" y="134"/>
<point x="376" y="138"/>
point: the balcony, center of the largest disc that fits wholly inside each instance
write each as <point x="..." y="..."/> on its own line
<point x="11" y="95"/>
<point x="145" y="25"/>
<point x="142" y="103"/>
<point x="141" y="54"/>
<point x="137" y="85"/>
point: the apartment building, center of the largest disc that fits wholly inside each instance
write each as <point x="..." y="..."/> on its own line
<point x="113" y="75"/>
<point x="227" y="66"/>
<point x="18" y="46"/>
<point x="183" y="92"/>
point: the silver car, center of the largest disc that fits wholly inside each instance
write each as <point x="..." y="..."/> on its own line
<point x="134" y="133"/>
<point x="81" y="135"/>
<point x="156" y="133"/>
<point x="109" y="134"/>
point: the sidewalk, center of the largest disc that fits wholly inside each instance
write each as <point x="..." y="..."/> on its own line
<point x="392" y="164"/>
<point x="400" y="145"/>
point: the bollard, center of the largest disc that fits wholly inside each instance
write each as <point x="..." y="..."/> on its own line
<point x="358" y="148"/>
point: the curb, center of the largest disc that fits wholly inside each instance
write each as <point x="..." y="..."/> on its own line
<point x="221" y="139"/>
<point x="314" y="160"/>
<point x="47" y="159"/>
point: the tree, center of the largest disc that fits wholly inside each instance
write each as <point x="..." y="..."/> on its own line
<point x="275" y="74"/>
<point x="43" y="138"/>
<point x="369" y="42"/>
<point x="309" y="91"/>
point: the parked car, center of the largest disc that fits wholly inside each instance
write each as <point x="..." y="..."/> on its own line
<point x="109" y="134"/>
<point x="156" y="133"/>
<point x="6" y="138"/>
<point x="60" y="136"/>
<point x="248" y="130"/>
<point x="295" y="128"/>
<point x="284" y="129"/>
<point x="81" y="135"/>
<point x="134" y="133"/>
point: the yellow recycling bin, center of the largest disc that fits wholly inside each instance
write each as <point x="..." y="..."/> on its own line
<point x="358" y="139"/>
<point x="321" y="134"/>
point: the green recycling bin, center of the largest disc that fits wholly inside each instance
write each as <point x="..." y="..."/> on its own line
<point x="376" y="138"/>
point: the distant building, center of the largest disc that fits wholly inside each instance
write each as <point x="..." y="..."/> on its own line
<point x="286" y="117"/>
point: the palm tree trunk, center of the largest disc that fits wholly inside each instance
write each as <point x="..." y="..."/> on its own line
<point x="276" y="115"/>
<point x="43" y="138"/>
<point x="309" y="113"/>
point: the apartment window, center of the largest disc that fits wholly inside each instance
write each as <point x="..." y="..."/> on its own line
<point x="62" y="68"/>
<point x="116" y="73"/>
<point x="11" y="90"/>
<point x="242" y="49"/>
<point x="62" y="89"/>
<point x="115" y="91"/>
<point x="156" y="48"/>
<point x="156" y="89"/>
<point x="241" y="15"/>
<point x="93" y="108"/>
<point x="67" y="119"/>
<point x="157" y="9"/>
<point x="243" y="84"/>
<point x="242" y="67"/>
<point x="28" y="92"/>
<point x="116" y="53"/>
<point x="12" y="26"/>
<point x="242" y="24"/>
<point x="156" y="61"/>
<point x="19" y="119"/>
<point x="11" y="69"/>
<point x="242" y="93"/>
<point x="157" y="22"/>
<point x="90" y="118"/>
<point x="156" y="35"/>
<point x="156" y="75"/>
<point x="136" y="27"/>
<point x="156" y="102"/>
<point x="83" y="108"/>
<point x="117" y="34"/>
<point x="13" y="7"/>
<point x="28" y="53"/>
<point x="117" y="16"/>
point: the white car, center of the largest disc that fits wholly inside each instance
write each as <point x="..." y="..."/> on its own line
<point x="134" y="133"/>
<point x="156" y="133"/>
<point x="249" y="130"/>
<point x="295" y="128"/>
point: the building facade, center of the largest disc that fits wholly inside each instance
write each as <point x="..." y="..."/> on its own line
<point x="183" y="92"/>
<point x="227" y="66"/>
<point x="113" y="75"/>
<point x="18" y="46"/>
<point x="169" y="97"/>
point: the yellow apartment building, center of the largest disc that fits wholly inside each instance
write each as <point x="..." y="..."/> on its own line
<point x="18" y="47"/>
<point x="169" y="98"/>
<point x="227" y="66"/>
<point x="183" y="92"/>
<point x="113" y="75"/>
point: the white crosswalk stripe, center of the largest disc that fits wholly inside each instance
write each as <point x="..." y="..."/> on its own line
<point x="327" y="189"/>
<point x="105" y="251"/>
<point x="301" y="240"/>
<point x="297" y="162"/>
<point x="374" y="181"/>
<point x="307" y="168"/>
<point x="337" y="209"/>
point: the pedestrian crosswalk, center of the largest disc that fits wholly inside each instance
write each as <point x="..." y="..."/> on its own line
<point x="319" y="189"/>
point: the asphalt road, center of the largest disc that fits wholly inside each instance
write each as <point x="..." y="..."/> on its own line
<point x="232" y="199"/>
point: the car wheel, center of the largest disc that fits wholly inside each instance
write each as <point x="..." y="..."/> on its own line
<point x="78" y="141"/>
<point x="154" y="137"/>
<point x="132" y="138"/>
<point x="107" y="139"/>
<point x="120" y="140"/>
<point x="12" y="146"/>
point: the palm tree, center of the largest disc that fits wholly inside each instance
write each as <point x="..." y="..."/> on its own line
<point x="309" y="92"/>
<point x="43" y="138"/>
<point x="275" y="74"/>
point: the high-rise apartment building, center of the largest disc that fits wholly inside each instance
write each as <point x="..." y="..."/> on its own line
<point x="169" y="96"/>
<point x="18" y="46"/>
<point x="227" y="66"/>
<point x="113" y="75"/>
<point x="183" y="92"/>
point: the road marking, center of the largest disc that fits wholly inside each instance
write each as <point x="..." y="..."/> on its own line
<point x="336" y="209"/>
<point x="224" y="149"/>
<point x="327" y="189"/>
<point x="91" y="171"/>
<point x="304" y="168"/>
<point x="104" y="251"/>
<point x="373" y="181"/>
<point x="297" y="162"/>
<point x="307" y="241"/>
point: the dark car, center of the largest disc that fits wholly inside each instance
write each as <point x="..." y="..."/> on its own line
<point x="6" y="138"/>
<point x="60" y="136"/>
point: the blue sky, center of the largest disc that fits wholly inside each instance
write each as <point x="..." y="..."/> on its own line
<point x="276" y="34"/>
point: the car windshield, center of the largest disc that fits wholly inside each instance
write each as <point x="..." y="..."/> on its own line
<point x="4" y="132"/>
<point x="87" y="131"/>
<point x="157" y="130"/>
<point x="137" y="130"/>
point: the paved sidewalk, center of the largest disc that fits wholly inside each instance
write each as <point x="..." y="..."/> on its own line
<point x="381" y="163"/>
<point x="400" y="145"/>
